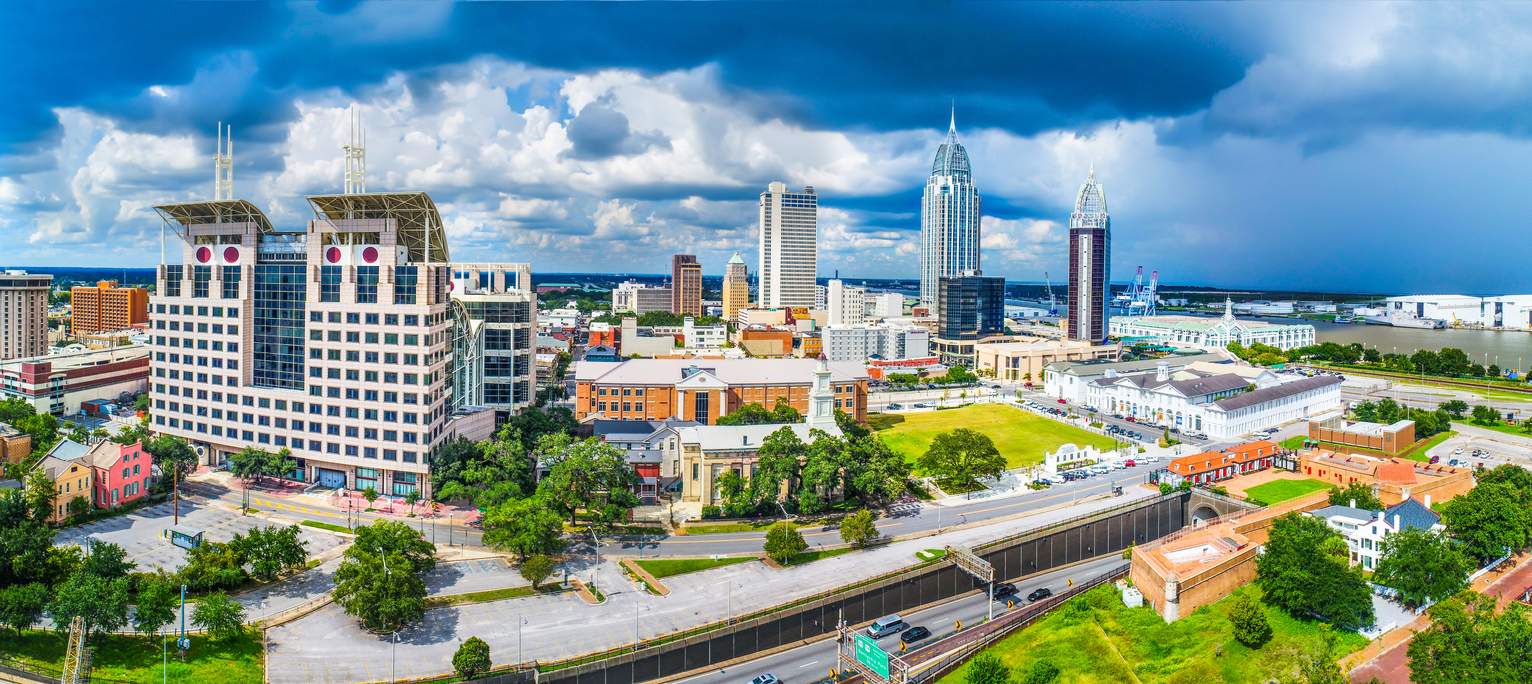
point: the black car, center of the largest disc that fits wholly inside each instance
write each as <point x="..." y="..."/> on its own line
<point x="914" y="634"/>
<point x="1004" y="591"/>
<point x="1039" y="595"/>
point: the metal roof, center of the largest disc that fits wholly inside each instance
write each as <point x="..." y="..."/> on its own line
<point x="216" y="211"/>
<point x="1266" y="394"/>
<point x="419" y="224"/>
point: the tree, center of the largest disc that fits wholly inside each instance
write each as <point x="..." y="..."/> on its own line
<point x="1041" y="672"/>
<point x="1248" y="617"/>
<point x="756" y="414"/>
<point x="472" y="658"/>
<point x="526" y="526"/>
<point x="961" y="457"/>
<point x="592" y="476"/>
<point x="1488" y="520"/>
<point x="24" y="543"/>
<point x="1456" y="407"/>
<point x="173" y="455"/>
<point x="412" y="498"/>
<point x="858" y="529"/>
<point x="272" y="551"/>
<point x="245" y="464"/>
<point x="783" y="542"/>
<point x="849" y="427"/>
<point x="1358" y="492"/>
<point x="221" y="617"/>
<point x="1423" y="566"/>
<point x="107" y="561"/>
<point x="1493" y="371"/>
<point x="487" y="473"/>
<point x="1468" y="641"/>
<point x="278" y="464"/>
<point x="874" y="473"/>
<point x="1516" y="476"/>
<point x="42" y="496"/>
<point x="371" y="495"/>
<point x="379" y="580"/>
<point x="777" y="463"/>
<point x="155" y="606"/>
<point x="103" y="604"/>
<point x="986" y="668"/>
<point x="1484" y="415"/>
<point x="1318" y="665"/>
<point x="22" y="605"/>
<point x="1452" y="362"/>
<point x="1305" y="571"/>
<point x="213" y="565"/>
<point x="536" y="569"/>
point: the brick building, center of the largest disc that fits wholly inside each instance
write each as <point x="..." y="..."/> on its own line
<point x="15" y="445"/>
<point x="24" y="314"/>
<point x="656" y="389"/>
<point x="119" y="473"/>
<point x="1392" y="480"/>
<point x="105" y="307"/>
<point x="59" y="383"/>
<point x="1194" y="567"/>
<point x="1212" y="466"/>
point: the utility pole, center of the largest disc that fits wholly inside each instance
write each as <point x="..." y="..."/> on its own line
<point x="176" y="485"/>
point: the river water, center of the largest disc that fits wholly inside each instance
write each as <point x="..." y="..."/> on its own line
<point x="1505" y="345"/>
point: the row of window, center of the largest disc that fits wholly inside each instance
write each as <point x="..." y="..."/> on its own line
<point x="215" y="328"/>
<point x="268" y="420"/>
<point x="298" y="442"/>
<point x="175" y="374"/>
<point x="351" y="318"/>
<point x="215" y="312"/>
<point x="392" y="358"/>
<point x="314" y="408"/>
<point x="355" y="337"/>
<point x="388" y="377"/>
<point x="189" y="343"/>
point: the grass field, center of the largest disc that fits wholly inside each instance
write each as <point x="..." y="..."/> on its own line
<point x="1096" y="639"/>
<point x="666" y="568"/>
<point x="136" y="659"/>
<point x="326" y="526"/>
<point x="1277" y="491"/>
<point x="1497" y="427"/>
<point x="493" y="595"/>
<point x="1416" y="452"/>
<point x="732" y="528"/>
<point x="811" y="556"/>
<point x="1020" y="436"/>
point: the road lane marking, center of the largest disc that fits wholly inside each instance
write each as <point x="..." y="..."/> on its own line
<point x="807" y="664"/>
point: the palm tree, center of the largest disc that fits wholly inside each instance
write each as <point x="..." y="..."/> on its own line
<point x="279" y="464"/>
<point x="247" y="463"/>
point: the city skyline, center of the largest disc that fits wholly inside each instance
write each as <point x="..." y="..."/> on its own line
<point x="1218" y="128"/>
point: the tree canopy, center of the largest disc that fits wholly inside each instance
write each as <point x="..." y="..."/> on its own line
<point x="1357" y="492"/>
<point x="1469" y="641"/>
<point x="524" y="526"/>
<point x="1305" y="571"/>
<point x="592" y="476"/>
<point x="1423" y="566"/>
<point x="1490" y="519"/>
<point x="961" y="456"/>
<point x="380" y="579"/>
<point x="756" y="414"/>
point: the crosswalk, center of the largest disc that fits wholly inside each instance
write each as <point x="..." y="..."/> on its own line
<point x="901" y="508"/>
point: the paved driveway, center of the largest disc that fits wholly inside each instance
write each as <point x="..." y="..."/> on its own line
<point x="139" y="532"/>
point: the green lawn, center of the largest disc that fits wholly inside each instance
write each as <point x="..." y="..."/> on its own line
<point x="326" y="526"/>
<point x="1497" y="427"/>
<point x="136" y="659"/>
<point x="1277" y="491"/>
<point x="1021" y="437"/>
<point x="1097" y="639"/>
<point x="732" y="528"/>
<point x="493" y="595"/>
<point x="666" y="568"/>
<point x="811" y="556"/>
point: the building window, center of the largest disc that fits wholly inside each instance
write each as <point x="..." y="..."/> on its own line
<point x="405" y="278"/>
<point x="329" y="283"/>
<point x="366" y="285"/>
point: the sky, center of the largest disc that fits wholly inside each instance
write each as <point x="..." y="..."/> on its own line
<point x="1368" y="147"/>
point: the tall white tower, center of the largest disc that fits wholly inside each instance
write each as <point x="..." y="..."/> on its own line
<point x="949" y="219"/>
<point x="223" y="165"/>
<point x="356" y="155"/>
<point x="789" y="247"/>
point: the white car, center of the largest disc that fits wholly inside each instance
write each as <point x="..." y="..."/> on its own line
<point x="766" y="679"/>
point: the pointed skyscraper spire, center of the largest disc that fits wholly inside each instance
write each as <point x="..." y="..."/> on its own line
<point x="952" y="128"/>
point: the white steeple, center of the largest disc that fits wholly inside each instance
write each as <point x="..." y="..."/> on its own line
<point x="1228" y="310"/>
<point x="821" y="398"/>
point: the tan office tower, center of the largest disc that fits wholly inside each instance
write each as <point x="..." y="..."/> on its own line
<point x="106" y="307"/>
<point x="685" y="285"/>
<point x="789" y="247"/>
<point x="24" y="314"/>
<point x="736" y="288"/>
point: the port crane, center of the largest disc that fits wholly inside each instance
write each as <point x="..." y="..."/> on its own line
<point x="1053" y="307"/>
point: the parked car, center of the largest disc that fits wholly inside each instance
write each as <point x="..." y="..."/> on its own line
<point x="914" y="634"/>
<point x="1039" y="595"/>
<point x="1452" y="462"/>
<point x="1130" y="463"/>
<point x="1434" y="459"/>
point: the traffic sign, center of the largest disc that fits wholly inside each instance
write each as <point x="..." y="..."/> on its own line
<point x="870" y="654"/>
<point x="971" y="564"/>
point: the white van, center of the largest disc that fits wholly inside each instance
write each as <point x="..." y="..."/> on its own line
<point x="886" y="625"/>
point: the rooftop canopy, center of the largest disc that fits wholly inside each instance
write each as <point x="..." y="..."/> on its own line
<point x="419" y="224"/>
<point x="216" y="211"/>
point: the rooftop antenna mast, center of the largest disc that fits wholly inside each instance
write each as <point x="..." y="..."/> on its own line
<point x="223" y="165"/>
<point x="356" y="155"/>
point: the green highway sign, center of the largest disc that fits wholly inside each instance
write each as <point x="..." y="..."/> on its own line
<point x="868" y="653"/>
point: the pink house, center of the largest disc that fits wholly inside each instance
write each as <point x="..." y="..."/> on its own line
<point x="120" y="473"/>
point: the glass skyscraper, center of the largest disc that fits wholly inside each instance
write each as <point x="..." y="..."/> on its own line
<point x="1090" y="263"/>
<point x="949" y="220"/>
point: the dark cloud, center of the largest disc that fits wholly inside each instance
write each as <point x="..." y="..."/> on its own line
<point x="599" y="132"/>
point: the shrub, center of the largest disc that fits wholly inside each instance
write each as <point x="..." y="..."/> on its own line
<point x="1042" y="672"/>
<point x="711" y="512"/>
<point x="1248" y="618"/>
<point x="986" y="668"/>
<point x="472" y="658"/>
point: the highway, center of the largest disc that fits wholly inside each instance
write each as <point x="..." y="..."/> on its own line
<point x="812" y="662"/>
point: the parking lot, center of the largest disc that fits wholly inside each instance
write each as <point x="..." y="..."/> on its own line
<point x="138" y="532"/>
<point x="1492" y="452"/>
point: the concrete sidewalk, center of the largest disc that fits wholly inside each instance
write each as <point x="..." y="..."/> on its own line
<point x="329" y="646"/>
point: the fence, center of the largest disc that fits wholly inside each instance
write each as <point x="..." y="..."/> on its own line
<point x="1065" y="543"/>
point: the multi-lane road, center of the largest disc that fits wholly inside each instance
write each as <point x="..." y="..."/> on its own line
<point x="813" y="662"/>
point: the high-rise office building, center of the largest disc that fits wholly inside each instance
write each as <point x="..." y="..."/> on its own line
<point x="106" y="307"/>
<point x="845" y="305"/>
<point x="949" y="219"/>
<point x="333" y="340"/>
<point x="493" y="336"/>
<point x="638" y="299"/>
<point x="736" y="287"/>
<point x="789" y="247"/>
<point x="24" y="314"/>
<point x="685" y="285"/>
<point x="970" y="308"/>
<point x="1090" y="263"/>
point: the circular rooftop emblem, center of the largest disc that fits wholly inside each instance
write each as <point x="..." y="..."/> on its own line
<point x="332" y="255"/>
<point x="230" y="255"/>
<point x="203" y="255"/>
<point x="370" y="255"/>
